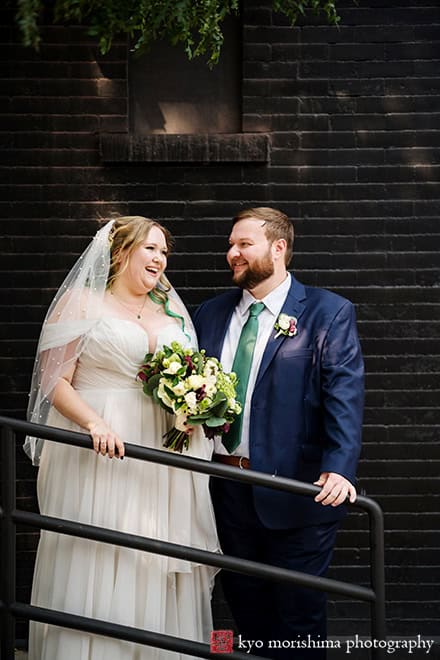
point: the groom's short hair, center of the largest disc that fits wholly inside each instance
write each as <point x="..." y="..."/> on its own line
<point x="276" y="225"/>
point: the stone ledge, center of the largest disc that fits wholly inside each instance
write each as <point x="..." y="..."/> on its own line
<point x="167" y="148"/>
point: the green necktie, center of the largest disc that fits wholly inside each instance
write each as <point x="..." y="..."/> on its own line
<point x="242" y="367"/>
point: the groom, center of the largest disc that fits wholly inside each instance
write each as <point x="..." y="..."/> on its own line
<point x="296" y="352"/>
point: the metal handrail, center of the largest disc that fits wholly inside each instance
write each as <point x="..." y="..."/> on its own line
<point x="10" y="516"/>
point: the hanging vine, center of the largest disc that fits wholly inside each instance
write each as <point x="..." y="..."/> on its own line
<point x="195" y="23"/>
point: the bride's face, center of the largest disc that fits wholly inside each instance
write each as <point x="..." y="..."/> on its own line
<point x="147" y="262"/>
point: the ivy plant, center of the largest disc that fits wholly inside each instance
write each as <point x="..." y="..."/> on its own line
<point x="195" y="23"/>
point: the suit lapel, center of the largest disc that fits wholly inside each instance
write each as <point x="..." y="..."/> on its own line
<point x="292" y="307"/>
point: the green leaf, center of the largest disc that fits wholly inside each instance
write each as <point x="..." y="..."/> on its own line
<point x="152" y="384"/>
<point x="219" y="405"/>
<point x="219" y="398"/>
<point x="196" y="419"/>
<point x="170" y="392"/>
<point x="215" y="421"/>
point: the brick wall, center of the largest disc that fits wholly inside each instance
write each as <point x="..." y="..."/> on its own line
<point x="353" y="117"/>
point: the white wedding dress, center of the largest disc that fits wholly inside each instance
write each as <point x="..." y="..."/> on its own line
<point x="103" y="581"/>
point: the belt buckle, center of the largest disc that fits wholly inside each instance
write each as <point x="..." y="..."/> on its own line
<point x="240" y="463"/>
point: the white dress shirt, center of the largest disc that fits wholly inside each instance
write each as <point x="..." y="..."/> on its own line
<point x="274" y="302"/>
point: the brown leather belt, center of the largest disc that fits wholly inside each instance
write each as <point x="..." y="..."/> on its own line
<point x="236" y="461"/>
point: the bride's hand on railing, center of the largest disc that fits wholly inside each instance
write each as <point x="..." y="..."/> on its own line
<point x="105" y="441"/>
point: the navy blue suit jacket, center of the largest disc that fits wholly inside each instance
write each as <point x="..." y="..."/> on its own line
<point x="307" y="404"/>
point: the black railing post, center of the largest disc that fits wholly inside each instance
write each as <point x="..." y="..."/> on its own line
<point x="8" y="543"/>
<point x="377" y="566"/>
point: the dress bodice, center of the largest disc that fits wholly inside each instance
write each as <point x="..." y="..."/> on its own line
<point x="114" y="350"/>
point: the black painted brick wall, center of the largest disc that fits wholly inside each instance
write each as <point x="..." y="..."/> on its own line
<point x="354" y="120"/>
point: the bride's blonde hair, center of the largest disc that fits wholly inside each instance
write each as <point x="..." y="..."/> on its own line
<point x="126" y="234"/>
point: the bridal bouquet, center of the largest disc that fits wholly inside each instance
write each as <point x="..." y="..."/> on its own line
<point x="192" y="387"/>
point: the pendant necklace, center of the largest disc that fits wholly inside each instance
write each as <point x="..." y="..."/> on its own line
<point x="137" y="314"/>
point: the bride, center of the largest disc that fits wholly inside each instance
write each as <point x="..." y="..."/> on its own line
<point x="114" y="307"/>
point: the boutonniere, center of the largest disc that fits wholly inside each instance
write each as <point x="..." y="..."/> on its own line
<point x="286" y="325"/>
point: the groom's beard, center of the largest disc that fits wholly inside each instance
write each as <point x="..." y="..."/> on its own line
<point x="259" y="271"/>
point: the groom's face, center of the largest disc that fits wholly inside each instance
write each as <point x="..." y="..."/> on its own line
<point x="249" y="256"/>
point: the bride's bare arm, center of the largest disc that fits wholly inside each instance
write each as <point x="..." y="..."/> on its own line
<point x="69" y="403"/>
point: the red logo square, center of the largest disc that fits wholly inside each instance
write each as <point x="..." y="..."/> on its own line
<point x="222" y="641"/>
